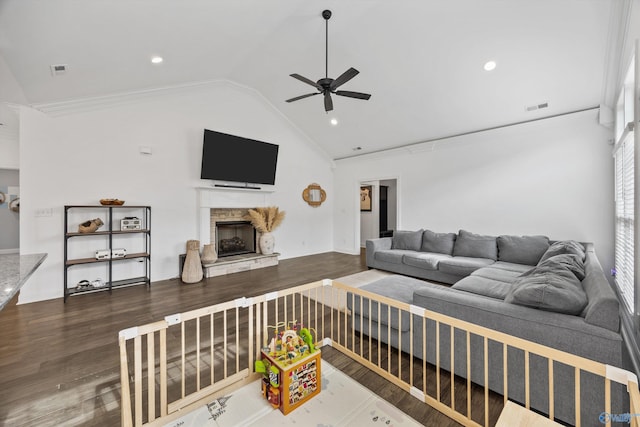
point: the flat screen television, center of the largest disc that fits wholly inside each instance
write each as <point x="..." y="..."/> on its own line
<point x="233" y="158"/>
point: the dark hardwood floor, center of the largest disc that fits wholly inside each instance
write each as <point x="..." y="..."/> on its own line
<point x="59" y="363"/>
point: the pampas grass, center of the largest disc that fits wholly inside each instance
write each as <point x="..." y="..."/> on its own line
<point x="265" y="220"/>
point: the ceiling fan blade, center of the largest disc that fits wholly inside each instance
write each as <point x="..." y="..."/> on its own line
<point x="344" y="77"/>
<point x="350" y="94"/>
<point x="302" y="97"/>
<point x="328" y="103"/>
<point x="306" y="80"/>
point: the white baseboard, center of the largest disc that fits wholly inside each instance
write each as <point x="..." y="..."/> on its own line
<point x="9" y="251"/>
<point x="347" y="251"/>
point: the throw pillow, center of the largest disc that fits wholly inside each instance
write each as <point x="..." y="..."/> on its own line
<point x="571" y="262"/>
<point x="475" y="245"/>
<point x="558" y="291"/>
<point x="441" y="243"/>
<point x="564" y="247"/>
<point x="409" y="240"/>
<point x="522" y="249"/>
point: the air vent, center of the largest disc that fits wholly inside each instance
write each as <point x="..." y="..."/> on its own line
<point x="537" y="106"/>
<point x="58" y="69"/>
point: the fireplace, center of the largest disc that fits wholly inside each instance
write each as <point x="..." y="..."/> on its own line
<point x="218" y="205"/>
<point x="235" y="238"/>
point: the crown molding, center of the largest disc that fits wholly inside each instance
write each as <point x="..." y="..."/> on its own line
<point x="82" y="105"/>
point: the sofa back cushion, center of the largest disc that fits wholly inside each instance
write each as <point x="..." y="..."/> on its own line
<point x="440" y="243"/>
<point x="522" y="249"/>
<point x="564" y="247"/>
<point x="549" y="289"/>
<point x="409" y="240"/>
<point x="571" y="261"/>
<point x="475" y="246"/>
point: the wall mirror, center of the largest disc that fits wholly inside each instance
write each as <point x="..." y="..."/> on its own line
<point x="314" y="195"/>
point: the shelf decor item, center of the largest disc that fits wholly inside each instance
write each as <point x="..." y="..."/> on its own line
<point x="14" y="205"/>
<point x="107" y="202"/>
<point x="90" y="226"/>
<point x="209" y="254"/>
<point x="192" y="271"/>
<point x="265" y="220"/>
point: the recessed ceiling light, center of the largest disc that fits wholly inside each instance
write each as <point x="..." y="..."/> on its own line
<point x="334" y="121"/>
<point x="157" y="59"/>
<point x="490" y="65"/>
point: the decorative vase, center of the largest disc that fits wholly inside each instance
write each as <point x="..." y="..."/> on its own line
<point x="192" y="270"/>
<point x="266" y="242"/>
<point x="209" y="255"/>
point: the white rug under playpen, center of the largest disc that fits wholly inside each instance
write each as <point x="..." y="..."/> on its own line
<point x="342" y="402"/>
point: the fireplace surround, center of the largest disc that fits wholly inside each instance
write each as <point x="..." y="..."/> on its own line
<point x="222" y="205"/>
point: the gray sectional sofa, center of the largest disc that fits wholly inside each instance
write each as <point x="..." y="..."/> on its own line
<point x="551" y="293"/>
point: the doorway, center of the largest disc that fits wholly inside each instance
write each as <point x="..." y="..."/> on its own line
<point x="9" y="213"/>
<point x="378" y="209"/>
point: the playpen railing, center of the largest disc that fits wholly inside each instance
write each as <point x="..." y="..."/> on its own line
<point x="185" y="360"/>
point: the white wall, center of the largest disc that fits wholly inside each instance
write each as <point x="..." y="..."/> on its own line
<point x="551" y="177"/>
<point x="81" y="157"/>
<point x="10" y="92"/>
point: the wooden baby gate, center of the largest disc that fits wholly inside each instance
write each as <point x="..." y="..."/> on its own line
<point x="186" y="360"/>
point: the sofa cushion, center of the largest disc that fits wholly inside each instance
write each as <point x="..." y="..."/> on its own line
<point x="441" y="243"/>
<point x="499" y="274"/>
<point x="569" y="261"/>
<point x="564" y="247"/>
<point x="411" y="240"/>
<point x="475" y="246"/>
<point x="425" y="260"/>
<point x="510" y="266"/>
<point x="462" y="266"/>
<point x="558" y="291"/>
<point x="399" y="288"/>
<point x="522" y="249"/>
<point x="491" y="288"/>
<point x="393" y="256"/>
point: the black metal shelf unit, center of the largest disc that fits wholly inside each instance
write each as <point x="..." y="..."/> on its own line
<point x="145" y="256"/>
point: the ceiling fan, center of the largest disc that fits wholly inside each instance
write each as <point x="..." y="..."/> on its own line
<point x="327" y="86"/>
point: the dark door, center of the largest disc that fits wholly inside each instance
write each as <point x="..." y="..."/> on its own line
<point x="384" y="214"/>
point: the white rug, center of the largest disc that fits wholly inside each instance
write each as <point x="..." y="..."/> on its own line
<point x="363" y="278"/>
<point x="338" y="300"/>
<point x="342" y="402"/>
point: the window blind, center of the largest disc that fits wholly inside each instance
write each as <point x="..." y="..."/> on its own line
<point x="624" y="219"/>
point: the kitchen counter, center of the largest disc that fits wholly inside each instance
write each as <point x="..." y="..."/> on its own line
<point x="15" y="269"/>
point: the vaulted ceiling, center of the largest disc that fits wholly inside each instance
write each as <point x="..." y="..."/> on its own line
<point x="422" y="60"/>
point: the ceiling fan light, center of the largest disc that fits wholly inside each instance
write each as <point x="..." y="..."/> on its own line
<point x="490" y="65"/>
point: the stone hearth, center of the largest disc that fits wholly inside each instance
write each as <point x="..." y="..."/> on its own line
<point x="238" y="263"/>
